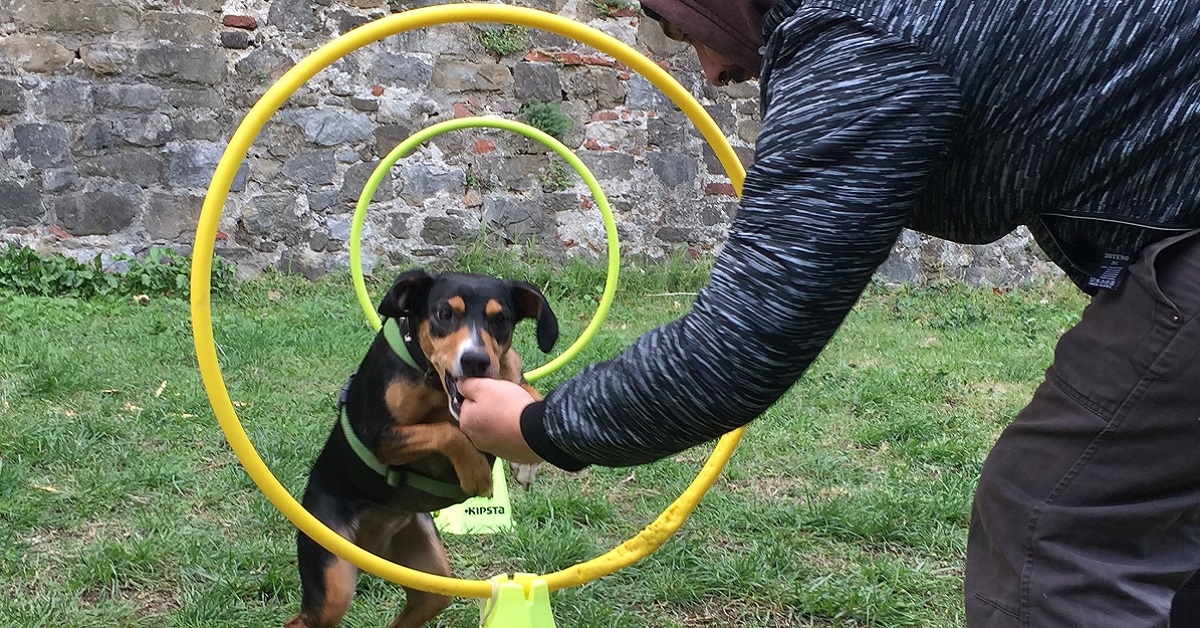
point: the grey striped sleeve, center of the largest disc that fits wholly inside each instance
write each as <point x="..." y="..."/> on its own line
<point x="854" y="120"/>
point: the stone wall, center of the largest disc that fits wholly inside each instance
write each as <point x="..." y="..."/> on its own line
<point x="113" y="114"/>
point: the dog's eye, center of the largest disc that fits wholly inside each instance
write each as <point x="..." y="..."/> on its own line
<point x="444" y="313"/>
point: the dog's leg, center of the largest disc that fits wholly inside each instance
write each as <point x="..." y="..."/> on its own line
<point x="525" y="474"/>
<point x="327" y="581"/>
<point x="417" y="546"/>
<point x="511" y="370"/>
<point x="403" y="444"/>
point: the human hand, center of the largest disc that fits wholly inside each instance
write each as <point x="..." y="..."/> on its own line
<point x="491" y="417"/>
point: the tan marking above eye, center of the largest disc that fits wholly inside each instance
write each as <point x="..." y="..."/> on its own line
<point x="457" y="304"/>
<point x="493" y="307"/>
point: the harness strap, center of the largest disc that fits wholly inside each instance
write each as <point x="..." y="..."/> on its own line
<point x="395" y="476"/>
<point x="398" y="335"/>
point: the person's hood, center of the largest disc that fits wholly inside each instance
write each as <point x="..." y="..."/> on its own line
<point x="732" y="28"/>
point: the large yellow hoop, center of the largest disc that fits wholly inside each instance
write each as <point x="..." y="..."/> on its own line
<point x="646" y="541"/>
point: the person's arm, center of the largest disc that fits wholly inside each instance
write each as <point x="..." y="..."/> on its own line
<point x="854" y="120"/>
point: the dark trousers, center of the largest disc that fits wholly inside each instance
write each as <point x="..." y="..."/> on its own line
<point x="1087" y="512"/>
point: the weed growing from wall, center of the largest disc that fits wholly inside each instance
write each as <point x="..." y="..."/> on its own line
<point x="504" y="40"/>
<point x="548" y="117"/>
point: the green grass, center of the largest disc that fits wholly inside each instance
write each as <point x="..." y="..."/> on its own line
<point x="846" y="505"/>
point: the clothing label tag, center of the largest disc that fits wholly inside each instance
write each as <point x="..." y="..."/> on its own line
<point x="1111" y="272"/>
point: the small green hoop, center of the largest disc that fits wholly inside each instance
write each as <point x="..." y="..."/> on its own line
<point x="414" y="140"/>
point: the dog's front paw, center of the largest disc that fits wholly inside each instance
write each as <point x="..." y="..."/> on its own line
<point x="524" y="473"/>
<point x="476" y="478"/>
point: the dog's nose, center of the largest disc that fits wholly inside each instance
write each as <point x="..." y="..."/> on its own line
<point x="474" y="364"/>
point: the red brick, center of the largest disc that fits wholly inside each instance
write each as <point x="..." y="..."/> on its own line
<point x="569" y="58"/>
<point x="239" y="21"/>
<point x="594" y="145"/>
<point x="376" y="90"/>
<point x="461" y="111"/>
<point x="59" y="233"/>
<point x="483" y="147"/>
<point x="594" y="60"/>
<point x="604" y="116"/>
<point x="538" y="55"/>
<point x="624" y="76"/>
<point x="719" y="189"/>
<point x="221" y="235"/>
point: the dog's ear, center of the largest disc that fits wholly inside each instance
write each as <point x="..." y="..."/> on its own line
<point x="407" y="294"/>
<point x="530" y="303"/>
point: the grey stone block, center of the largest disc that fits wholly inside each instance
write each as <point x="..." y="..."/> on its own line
<point x="322" y="200"/>
<point x="20" y="204"/>
<point x="314" y="168"/>
<point x="537" y="82"/>
<point x="347" y="21"/>
<point x="418" y="183"/>
<point x="461" y="76"/>
<point x="135" y="97"/>
<point x="269" y="215"/>
<point x="330" y="127"/>
<point x="178" y="27"/>
<point x="140" y="168"/>
<point x="402" y="70"/>
<point x="148" y="130"/>
<point x="356" y="178"/>
<point x="97" y="138"/>
<point x="644" y="95"/>
<point x="236" y="39"/>
<point x="98" y="212"/>
<point x="711" y="215"/>
<point x="679" y="235"/>
<point x="12" y="97"/>
<point x="194" y="64"/>
<point x="42" y="145"/>
<point x="203" y="126"/>
<point x="673" y="169"/>
<point x="192" y="165"/>
<point x="68" y="99"/>
<point x="195" y="98"/>
<point x="172" y="216"/>
<point x="398" y="226"/>
<point x="608" y="165"/>
<point x="599" y="85"/>
<point x="104" y="58"/>
<point x="79" y="17"/>
<point x="293" y="16"/>
<point x="263" y="65"/>
<point x="517" y="219"/>
<point x="670" y="130"/>
<point x="59" y="179"/>
<point x="443" y="231"/>
<point x="318" y="241"/>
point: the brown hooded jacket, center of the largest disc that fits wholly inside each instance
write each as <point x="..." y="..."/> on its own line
<point x="732" y="28"/>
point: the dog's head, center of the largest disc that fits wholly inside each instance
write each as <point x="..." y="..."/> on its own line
<point x="464" y="323"/>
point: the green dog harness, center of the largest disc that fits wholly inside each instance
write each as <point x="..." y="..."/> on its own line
<point x="398" y="339"/>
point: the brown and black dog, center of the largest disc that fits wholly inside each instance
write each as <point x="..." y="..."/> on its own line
<point x="396" y="452"/>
